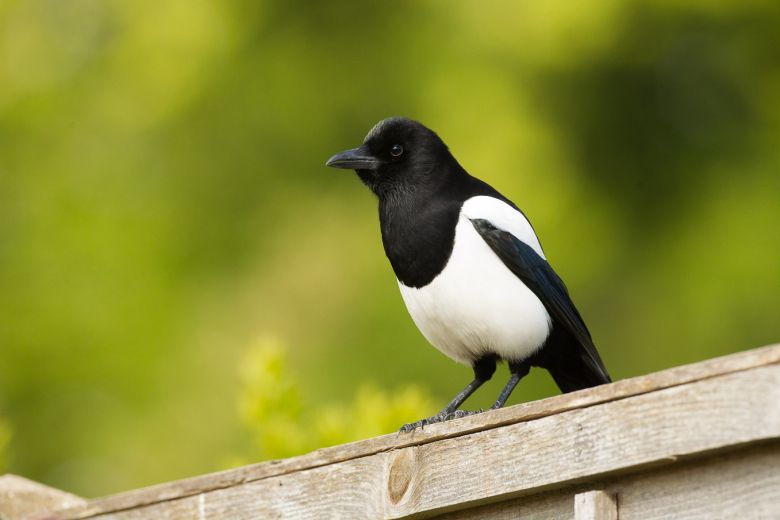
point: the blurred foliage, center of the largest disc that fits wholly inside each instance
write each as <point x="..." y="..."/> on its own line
<point x="163" y="202"/>
<point x="5" y="438"/>
<point x="272" y="409"/>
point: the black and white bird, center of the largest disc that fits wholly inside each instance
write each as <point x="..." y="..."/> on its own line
<point x="469" y="265"/>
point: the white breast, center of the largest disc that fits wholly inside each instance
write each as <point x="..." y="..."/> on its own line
<point x="476" y="305"/>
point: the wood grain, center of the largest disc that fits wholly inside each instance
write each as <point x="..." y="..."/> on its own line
<point x="595" y="505"/>
<point x="641" y="432"/>
<point x="558" y="504"/>
<point x="21" y="498"/>
<point x="379" y="447"/>
<point x="742" y="484"/>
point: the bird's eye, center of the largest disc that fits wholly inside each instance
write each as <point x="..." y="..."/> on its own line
<point x="396" y="150"/>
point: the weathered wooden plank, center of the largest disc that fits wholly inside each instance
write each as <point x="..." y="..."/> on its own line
<point x="513" y="415"/>
<point x="523" y="457"/>
<point x="643" y="431"/>
<point x="595" y="505"/>
<point x="558" y="505"/>
<point x="744" y="483"/>
<point x="21" y="498"/>
<point x="187" y="508"/>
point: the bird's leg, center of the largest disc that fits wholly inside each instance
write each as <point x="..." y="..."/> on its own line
<point x="518" y="371"/>
<point x="464" y="394"/>
<point x="484" y="368"/>
<point x="450" y="411"/>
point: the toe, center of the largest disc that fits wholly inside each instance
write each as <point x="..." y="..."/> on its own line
<point x="457" y="414"/>
<point x="410" y="427"/>
<point x="406" y="428"/>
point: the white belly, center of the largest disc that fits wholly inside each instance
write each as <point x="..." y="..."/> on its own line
<point x="476" y="305"/>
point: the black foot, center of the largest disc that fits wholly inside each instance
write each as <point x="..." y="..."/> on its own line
<point x="439" y="417"/>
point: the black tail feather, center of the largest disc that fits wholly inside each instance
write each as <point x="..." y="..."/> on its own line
<point x="572" y="365"/>
<point x="570" y="378"/>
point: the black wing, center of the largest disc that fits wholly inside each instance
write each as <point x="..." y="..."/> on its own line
<point x="538" y="276"/>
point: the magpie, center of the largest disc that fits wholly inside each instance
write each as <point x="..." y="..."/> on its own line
<point x="470" y="267"/>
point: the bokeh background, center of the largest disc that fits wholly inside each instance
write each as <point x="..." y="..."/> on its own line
<point x="184" y="286"/>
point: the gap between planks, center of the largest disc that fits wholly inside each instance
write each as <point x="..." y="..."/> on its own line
<point x="623" y="389"/>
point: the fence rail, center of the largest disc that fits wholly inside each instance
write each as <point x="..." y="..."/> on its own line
<point x="696" y="441"/>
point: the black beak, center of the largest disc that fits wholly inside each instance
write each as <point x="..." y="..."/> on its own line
<point x="355" y="159"/>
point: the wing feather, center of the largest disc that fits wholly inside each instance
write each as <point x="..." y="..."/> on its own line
<point x="540" y="278"/>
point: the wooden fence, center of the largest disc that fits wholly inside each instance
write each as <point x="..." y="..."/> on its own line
<point x="700" y="441"/>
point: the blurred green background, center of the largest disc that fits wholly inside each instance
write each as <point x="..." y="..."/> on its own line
<point x="184" y="285"/>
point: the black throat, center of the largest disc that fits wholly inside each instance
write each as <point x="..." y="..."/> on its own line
<point x="418" y="222"/>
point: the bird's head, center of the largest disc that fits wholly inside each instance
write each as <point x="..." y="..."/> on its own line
<point x="398" y="153"/>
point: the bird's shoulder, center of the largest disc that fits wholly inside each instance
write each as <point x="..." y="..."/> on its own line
<point x="504" y="215"/>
